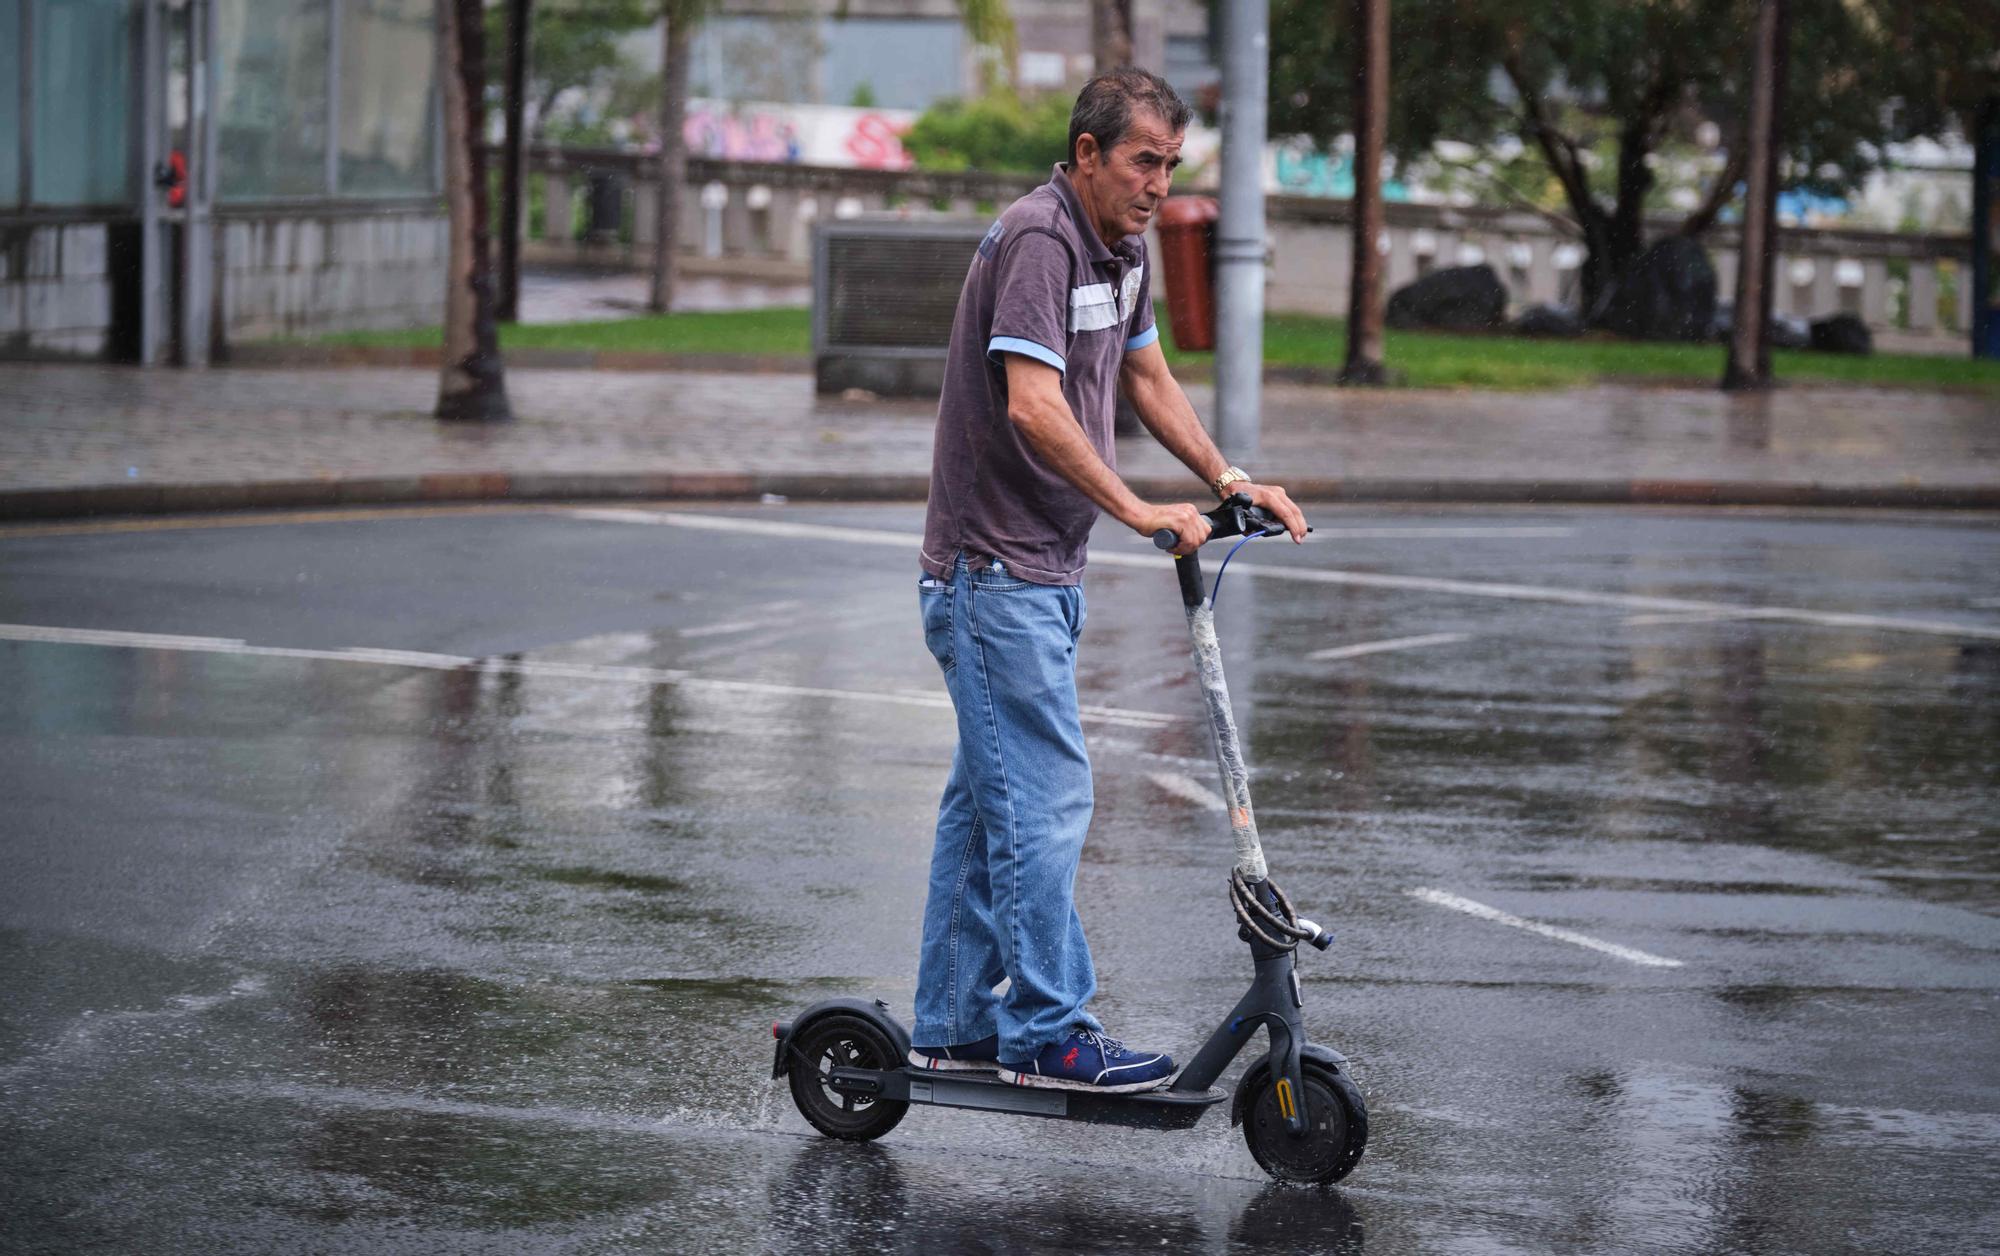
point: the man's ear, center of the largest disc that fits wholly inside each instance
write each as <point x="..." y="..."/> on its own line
<point x="1087" y="152"/>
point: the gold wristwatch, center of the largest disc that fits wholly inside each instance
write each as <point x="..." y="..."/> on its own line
<point x="1227" y="478"/>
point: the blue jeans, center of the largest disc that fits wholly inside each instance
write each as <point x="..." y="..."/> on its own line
<point x="1011" y="825"/>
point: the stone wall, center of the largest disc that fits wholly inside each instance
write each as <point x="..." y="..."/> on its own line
<point x="70" y="289"/>
<point x="309" y="273"/>
<point x="55" y="289"/>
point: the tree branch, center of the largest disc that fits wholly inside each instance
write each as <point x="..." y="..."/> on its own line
<point x="1557" y="149"/>
<point x="1720" y="193"/>
<point x="1519" y="199"/>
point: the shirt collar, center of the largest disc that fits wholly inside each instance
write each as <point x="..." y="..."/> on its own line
<point x="1125" y="250"/>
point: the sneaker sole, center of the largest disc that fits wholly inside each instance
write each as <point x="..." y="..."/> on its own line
<point x="1039" y="1082"/>
<point x="938" y="1064"/>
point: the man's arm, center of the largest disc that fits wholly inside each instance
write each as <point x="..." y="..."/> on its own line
<point x="1036" y="405"/>
<point x="1165" y="411"/>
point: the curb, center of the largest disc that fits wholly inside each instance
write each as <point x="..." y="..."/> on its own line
<point x="266" y="356"/>
<point x="504" y="486"/>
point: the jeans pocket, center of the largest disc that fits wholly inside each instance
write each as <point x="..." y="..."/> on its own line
<point x="997" y="579"/>
<point x="934" y="600"/>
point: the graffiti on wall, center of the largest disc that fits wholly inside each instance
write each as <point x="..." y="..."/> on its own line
<point x="817" y="135"/>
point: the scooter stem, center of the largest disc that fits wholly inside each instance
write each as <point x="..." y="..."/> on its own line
<point x="1221" y="719"/>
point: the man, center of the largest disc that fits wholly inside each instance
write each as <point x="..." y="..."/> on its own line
<point x="1054" y="319"/>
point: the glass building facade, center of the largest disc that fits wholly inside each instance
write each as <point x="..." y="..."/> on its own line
<point x="314" y="99"/>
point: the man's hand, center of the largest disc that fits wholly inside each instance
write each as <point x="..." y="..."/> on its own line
<point x="1187" y="523"/>
<point x="1275" y="501"/>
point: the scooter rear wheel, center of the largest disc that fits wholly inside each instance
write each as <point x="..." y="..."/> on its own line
<point x="842" y="1042"/>
<point x="1336" y="1127"/>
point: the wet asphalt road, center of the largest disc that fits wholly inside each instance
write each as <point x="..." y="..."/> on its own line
<point x="310" y="947"/>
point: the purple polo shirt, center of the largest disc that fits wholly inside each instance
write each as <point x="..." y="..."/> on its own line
<point x="1042" y="285"/>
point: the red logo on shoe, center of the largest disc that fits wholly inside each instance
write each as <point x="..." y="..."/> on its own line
<point x="1069" y="1061"/>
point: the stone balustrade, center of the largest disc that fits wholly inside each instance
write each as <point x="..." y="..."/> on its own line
<point x="597" y="206"/>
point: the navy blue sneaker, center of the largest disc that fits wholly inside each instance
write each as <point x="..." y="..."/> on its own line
<point x="974" y="1057"/>
<point x="1087" y="1060"/>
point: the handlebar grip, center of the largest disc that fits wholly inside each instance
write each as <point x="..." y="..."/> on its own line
<point x="1166" y="539"/>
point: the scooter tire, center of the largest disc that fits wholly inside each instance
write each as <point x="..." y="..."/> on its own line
<point x="842" y="1041"/>
<point x="1336" y="1132"/>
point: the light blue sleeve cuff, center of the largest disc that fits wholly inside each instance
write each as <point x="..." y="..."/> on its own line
<point x="1143" y="339"/>
<point x="1027" y="349"/>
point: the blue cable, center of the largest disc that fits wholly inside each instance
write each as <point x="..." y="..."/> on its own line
<point x="1216" y="592"/>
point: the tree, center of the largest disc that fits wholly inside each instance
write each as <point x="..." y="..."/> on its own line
<point x="471" y="385"/>
<point x="677" y="42"/>
<point x="1110" y="34"/>
<point x="1749" y="364"/>
<point x="1371" y="129"/>
<point x="1597" y="91"/>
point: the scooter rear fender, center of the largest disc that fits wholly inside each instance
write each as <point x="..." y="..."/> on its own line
<point x="873" y="1010"/>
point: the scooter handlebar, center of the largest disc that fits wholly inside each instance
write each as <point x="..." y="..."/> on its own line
<point x="1236" y="516"/>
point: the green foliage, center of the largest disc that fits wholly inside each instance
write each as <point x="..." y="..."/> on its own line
<point x="570" y="45"/>
<point x="1639" y="75"/>
<point x="998" y="133"/>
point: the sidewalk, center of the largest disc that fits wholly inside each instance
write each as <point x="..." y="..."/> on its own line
<point x="78" y="440"/>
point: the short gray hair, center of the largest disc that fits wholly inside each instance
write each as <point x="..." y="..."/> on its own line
<point x="1105" y="106"/>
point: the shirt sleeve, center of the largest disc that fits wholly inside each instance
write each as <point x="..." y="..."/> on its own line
<point x="1140" y="329"/>
<point x="1031" y="300"/>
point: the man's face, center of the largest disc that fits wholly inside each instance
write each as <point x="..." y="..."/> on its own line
<point x="1126" y="185"/>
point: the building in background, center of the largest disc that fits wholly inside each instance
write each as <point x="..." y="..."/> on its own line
<point x="909" y="54"/>
<point x="178" y="173"/>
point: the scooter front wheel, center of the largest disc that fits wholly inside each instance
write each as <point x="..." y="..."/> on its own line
<point x="1336" y="1126"/>
<point x="840" y="1041"/>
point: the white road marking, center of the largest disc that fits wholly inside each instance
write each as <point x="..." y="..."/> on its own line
<point x="717" y="630"/>
<point x="1704" y="617"/>
<point x="1353" y="579"/>
<point x="1442" y="898"/>
<point x="1186" y="787"/>
<point x="1116" y="716"/>
<point x="1379" y="647"/>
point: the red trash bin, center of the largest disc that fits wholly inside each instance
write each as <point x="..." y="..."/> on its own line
<point x="1187" y="258"/>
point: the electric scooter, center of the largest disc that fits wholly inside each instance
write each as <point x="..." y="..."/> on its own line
<point x="1301" y="1113"/>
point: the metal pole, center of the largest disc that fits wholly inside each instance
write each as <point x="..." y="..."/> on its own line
<point x="1239" y="235"/>
<point x="152" y="235"/>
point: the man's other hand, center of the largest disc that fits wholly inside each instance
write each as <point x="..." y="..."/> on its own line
<point x="1187" y="524"/>
<point x="1277" y="503"/>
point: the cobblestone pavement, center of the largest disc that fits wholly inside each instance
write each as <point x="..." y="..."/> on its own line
<point x="72" y="426"/>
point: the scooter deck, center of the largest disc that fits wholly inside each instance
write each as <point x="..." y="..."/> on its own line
<point x="1149" y="1109"/>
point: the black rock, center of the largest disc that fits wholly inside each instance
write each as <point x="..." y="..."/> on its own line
<point x="1842" y="333"/>
<point x="1787" y="332"/>
<point x="1782" y="332"/>
<point x="1547" y="320"/>
<point x="1460" y="298"/>
<point x="1667" y="293"/>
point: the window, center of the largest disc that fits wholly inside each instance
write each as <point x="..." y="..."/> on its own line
<point x="388" y="82"/>
<point x="10" y="102"/>
<point x="271" y="98"/>
<point x="83" y="77"/>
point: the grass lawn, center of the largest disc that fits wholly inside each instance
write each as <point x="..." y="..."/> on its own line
<point x="1423" y="359"/>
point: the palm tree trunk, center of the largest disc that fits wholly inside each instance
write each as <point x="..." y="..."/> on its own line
<point x="1371" y="133"/>
<point x="672" y="182"/>
<point x="472" y="385"/>
<point x="1749" y="364"/>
